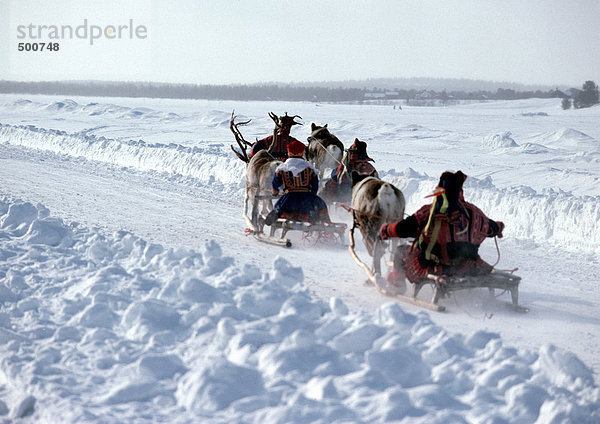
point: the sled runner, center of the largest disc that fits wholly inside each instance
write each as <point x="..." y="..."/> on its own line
<point x="443" y="286"/>
<point x="257" y="226"/>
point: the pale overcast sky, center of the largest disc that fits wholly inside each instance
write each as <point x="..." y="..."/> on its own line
<point x="246" y="41"/>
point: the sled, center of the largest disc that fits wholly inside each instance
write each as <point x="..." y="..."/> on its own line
<point x="443" y="286"/>
<point x="257" y="226"/>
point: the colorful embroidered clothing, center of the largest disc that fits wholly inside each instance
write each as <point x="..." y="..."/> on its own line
<point x="342" y="176"/>
<point x="300" y="183"/>
<point x="445" y="243"/>
<point x="279" y="151"/>
<point x="339" y="187"/>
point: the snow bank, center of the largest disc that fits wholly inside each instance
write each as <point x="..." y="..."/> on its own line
<point x="564" y="138"/>
<point x="212" y="161"/>
<point x="116" y="329"/>
<point x="70" y="109"/>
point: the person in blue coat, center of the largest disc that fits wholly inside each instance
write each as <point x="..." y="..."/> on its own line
<point x="300" y="182"/>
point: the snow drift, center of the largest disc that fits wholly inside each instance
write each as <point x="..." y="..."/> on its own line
<point x="114" y="328"/>
<point x="204" y="163"/>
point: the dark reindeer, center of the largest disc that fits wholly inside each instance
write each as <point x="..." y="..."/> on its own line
<point x="374" y="202"/>
<point x="324" y="150"/>
<point x="260" y="169"/>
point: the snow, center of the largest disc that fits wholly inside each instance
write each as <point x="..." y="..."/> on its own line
<point x="129" y="292"/>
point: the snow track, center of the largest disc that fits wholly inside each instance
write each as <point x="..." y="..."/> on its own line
<point x="551" y="217"/>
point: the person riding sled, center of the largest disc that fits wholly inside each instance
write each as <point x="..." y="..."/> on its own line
<point x="282" y="136"/>
<point x="447" y="235"/>
<point x="339" y="187"/>
<point x="300" y="182"/>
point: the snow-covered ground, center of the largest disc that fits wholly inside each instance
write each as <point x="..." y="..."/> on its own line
<point x="130" y="291"/>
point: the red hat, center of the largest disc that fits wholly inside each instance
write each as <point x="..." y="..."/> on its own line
<point x="358" y="151"/>
<point x="295" y="148"/>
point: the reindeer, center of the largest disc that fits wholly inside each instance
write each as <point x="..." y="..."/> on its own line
<point x="324" y="150"/>
<point x="374" y="202"/>
<point x="260" y="169"/>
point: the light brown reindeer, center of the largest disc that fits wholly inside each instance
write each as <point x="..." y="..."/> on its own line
<point x="374" y="202"/>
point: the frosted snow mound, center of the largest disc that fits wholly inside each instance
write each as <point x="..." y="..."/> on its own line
<point x="64" y="105"/>
<point x="565" y="138"/>
<point x="534" y="114"/>
<point x="116" y="329"/>
<point x="498" y="141"/>
<point x="207" y="163"/>
<point x="216" y="118"/>
<point x="213" y="118"/>
<point x="533" y="148"/>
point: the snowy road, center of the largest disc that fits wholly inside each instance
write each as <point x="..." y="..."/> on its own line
<point x="172" y="212"/>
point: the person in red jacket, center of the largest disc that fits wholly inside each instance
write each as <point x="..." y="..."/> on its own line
<point x="282" y="139"/>
<point x="447" y="235"/>
<point x="339" y="187"/>
<point x="300" y="182"/>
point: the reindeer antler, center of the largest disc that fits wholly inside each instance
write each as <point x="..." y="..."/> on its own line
<point x="275" y="119"/>
<point x="239" y="138"/>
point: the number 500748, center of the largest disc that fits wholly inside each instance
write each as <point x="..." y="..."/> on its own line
<point x="38" y="47"/>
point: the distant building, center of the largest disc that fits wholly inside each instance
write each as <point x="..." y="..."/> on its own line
<point x="424" y="95"/>
<point x="374" y="95"/>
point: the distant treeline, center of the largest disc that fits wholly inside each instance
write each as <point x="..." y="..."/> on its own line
<point x="258" y="92"/>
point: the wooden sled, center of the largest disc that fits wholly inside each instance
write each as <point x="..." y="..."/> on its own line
<point x="443" y="286"/>
<point x="256" y="225"/>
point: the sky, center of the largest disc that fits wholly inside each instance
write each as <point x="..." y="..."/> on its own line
<point x="243" y="41"/>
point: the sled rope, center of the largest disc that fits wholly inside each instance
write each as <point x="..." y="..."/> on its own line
<point x="321" y="237"/>
<point x="497" y="250"/>
<point x="329" y="153"/>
